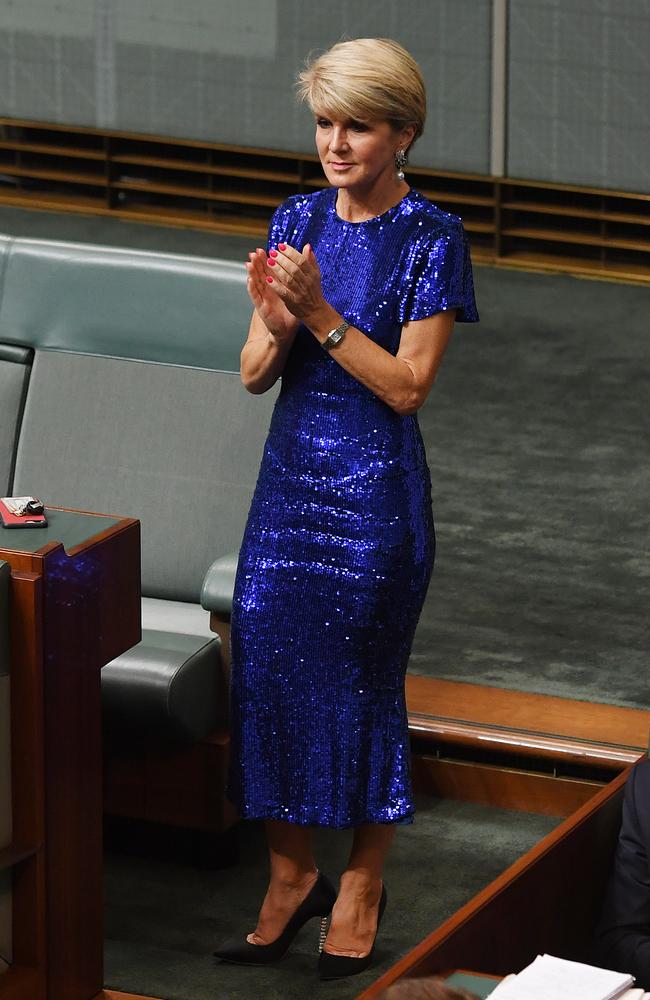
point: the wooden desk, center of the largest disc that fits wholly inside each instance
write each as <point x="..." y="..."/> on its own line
<point x="75" y="605"/>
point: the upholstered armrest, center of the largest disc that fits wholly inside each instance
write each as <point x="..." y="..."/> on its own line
<point x="167" y="685"/>
<point x="218" y="586"/>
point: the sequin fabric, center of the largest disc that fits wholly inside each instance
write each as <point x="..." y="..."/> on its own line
<point x="339" y="544"/>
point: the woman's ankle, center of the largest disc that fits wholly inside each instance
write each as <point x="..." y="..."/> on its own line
<point x="360" y="882"/>
<point x="287" y="879"/>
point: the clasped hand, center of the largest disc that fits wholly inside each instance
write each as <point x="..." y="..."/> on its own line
<point x="285" y="287"/>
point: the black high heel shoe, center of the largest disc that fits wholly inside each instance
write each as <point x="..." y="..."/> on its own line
<point x="318" y="903"/>
<point x="339" y="966"/>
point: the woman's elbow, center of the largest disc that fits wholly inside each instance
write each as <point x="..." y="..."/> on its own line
<point x="409" y="403"/>
<point x="256" y="386"/>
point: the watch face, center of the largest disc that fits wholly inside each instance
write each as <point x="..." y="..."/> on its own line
<point x="334" y="336"/>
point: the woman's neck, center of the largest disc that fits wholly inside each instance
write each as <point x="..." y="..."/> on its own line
<point x="354" y="205"/>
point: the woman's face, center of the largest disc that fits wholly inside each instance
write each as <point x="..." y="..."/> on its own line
<point x="357" y="154"/>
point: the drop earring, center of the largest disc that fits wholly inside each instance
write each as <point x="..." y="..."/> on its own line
<point x="400" y="163"/>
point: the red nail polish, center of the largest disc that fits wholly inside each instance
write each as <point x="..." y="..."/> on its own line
<point x="271" y="263"/>
<point x="269" y="279"/>
<point x="282" y="246"/>
<point x="273" y="253"/>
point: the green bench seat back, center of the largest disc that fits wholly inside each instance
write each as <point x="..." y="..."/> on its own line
<point x="178" y="448"/>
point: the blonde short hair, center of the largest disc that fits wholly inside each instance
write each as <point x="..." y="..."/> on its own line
<point x="366" y="79"/>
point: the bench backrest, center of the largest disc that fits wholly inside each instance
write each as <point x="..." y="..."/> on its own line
<point x="119" y="303"/>
<point x="135" y="406"/>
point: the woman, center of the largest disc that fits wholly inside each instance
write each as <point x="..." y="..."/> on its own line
<point x="353" y="306"/>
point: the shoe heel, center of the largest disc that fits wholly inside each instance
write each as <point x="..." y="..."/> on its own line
<point x="322" y="934"/>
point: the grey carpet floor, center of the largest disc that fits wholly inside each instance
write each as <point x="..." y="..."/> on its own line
<point x="163" y="920"/>
<point x="537" y="433"/>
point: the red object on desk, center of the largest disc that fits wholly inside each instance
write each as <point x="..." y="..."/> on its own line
<point x="10" y="520"/>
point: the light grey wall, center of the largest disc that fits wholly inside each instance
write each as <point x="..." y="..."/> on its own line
<point x="579" y="92"/>
<point x="578" y="74"/>
<point x="224" y="71"/>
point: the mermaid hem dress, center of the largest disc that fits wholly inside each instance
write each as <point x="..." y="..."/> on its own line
<point x="339" y="544"/>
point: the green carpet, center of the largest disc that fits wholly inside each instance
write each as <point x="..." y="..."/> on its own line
<point x="537" y="434"/>
<point x="164" y="919"/>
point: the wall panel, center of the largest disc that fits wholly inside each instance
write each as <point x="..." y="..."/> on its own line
<point x="579" y="83"/>
<point x="224" y="72"/>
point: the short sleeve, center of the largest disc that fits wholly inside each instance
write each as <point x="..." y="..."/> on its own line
<point x="277" y="227"/>
<point x="285" y="224"/>
<point x="437" y="276"/>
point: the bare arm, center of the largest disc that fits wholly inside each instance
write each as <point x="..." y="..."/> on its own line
<point x="271" y="333"/>
<point x="263" y="357"/>
<point x="403" y="380"/>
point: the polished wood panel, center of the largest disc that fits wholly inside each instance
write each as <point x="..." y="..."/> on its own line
<point x="28" y="787"/>
<point x="181" y="786"/>
<point x="87" y="624"/>
<point x="547" y="901"/>
<point x="21" y="983"/>
<point x="532" y="723"/>
<point x="507" y="788"/>
<point x="70" y="614"/>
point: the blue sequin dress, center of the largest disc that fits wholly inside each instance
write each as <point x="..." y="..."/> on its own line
<point x="339" y="544"/>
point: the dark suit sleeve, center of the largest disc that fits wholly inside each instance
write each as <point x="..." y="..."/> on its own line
<point x="623" y="933"/>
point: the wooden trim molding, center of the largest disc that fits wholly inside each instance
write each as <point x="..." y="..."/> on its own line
<point x="537" y="225"/>
<point x="531" y="725"/>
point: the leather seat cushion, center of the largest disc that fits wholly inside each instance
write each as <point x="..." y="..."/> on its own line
<point x="167" y="686"/>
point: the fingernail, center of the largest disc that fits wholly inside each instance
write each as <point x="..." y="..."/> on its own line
<point x="271" y="263"/>
<point x="273" y="253"/>
<point x="269" y="279"/>
<point x="282" y="246"/>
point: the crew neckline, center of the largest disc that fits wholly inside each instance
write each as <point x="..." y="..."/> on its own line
<point x="375" y="218"/>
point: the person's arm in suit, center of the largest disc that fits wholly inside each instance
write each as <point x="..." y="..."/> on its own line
<point x="623" y="932"/>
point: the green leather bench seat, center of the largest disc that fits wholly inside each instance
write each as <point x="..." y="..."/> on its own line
<point x="104" y="301"/>
<point x="166" y="686"/>
<point x="178" y="448"/>
<point x="135" y="407"/>
<point x="15" y="363"/>
<point x="219" y="585"/>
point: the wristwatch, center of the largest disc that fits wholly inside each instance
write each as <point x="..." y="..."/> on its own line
<point x="335" y="336"/>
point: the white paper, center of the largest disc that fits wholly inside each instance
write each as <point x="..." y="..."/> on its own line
<point x="549" y="978"/>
